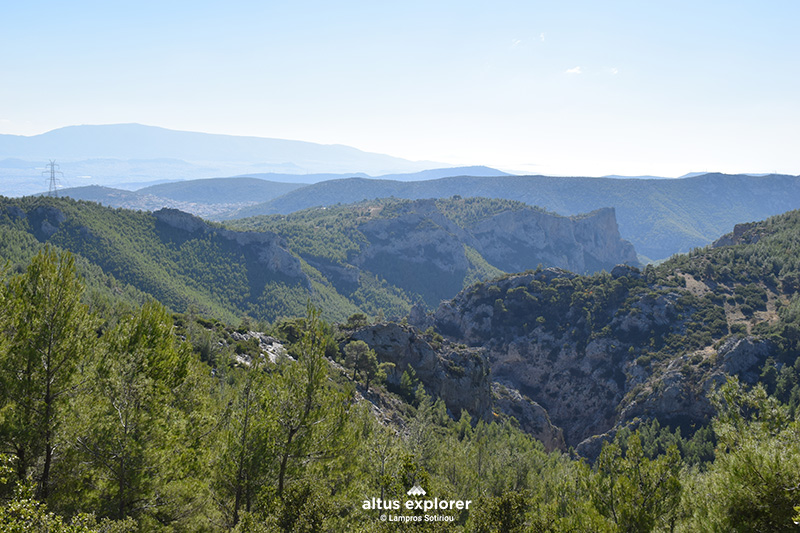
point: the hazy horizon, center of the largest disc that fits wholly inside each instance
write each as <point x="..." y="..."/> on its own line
<point x="578" y="88"/>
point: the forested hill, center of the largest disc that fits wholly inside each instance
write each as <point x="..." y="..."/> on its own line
<point x="660" y="217"/>
<point x="598" y="352"/>
<point x="377" y="258"/>
<point x="175" y="258"/>
<point x="431" y="249"/>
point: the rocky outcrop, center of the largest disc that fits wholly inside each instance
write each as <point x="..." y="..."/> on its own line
<point x="512" y="240"/>
<point x="419" y="247"/>
<point x="269" y="347"/>
<point x="748" y="233"/>
<point x="678" y="395"/>
<point x="45" y="221"/>
<point x="459" y="376"/>
<point x="531" y="416"/>
<point x="743" y="357"/>
<point x="680" y="392"/>
<point x="578" y="390"/>
<point x="587" y="365"/>
<point x="469" y="316"/>
<point x="416" y="238"/>
<point x="456" y="374"/>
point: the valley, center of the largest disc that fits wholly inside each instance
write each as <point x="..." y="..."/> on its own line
<point x="419" y="323"/>
<point x="528" y="374"/>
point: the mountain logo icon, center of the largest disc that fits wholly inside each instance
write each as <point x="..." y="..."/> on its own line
<point x="416" y="490"/>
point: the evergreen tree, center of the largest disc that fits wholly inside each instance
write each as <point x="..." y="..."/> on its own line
<point x="47" y="334"/>
<point x="130" y="418"/>
<point x="307" y="414"/>
<point x="634" y="492"/>
<point x="756" y="475"/>
<point x="241" y="465"/>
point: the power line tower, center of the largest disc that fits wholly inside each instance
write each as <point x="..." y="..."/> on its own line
<point x="53" y="190"/>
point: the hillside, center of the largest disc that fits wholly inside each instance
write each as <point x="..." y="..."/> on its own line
<point x="378" y="259"/>
<point x="660" y="217"/>
<point x="221" y="190"/>
<point x="302" y="425"/>
<point x="204" y="197"/>
<point x="314" y="423"/>
<point x="211" y="198"/>
<point x="595" y="353"/>
<point x="174" y="257"/>
<point x="432" y="249"/>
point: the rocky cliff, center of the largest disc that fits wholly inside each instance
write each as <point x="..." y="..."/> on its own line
<point x="422" y="247"/>
<point x="388" y="254"/>
<point x="457" y="374"/>
<point x="595" y="352"/>
<point x="515" y="241"/>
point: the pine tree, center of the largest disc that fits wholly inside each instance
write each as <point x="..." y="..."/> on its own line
<point x="308" y="415"/>
<point x="241" y="464"/>
<point x="127" y="435"/>
<point x="47" y="333"/>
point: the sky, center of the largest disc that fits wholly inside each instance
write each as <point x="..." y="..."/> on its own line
<point x="587" y="88"/>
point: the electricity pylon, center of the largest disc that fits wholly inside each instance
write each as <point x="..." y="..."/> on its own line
<point x="53" y="190"/>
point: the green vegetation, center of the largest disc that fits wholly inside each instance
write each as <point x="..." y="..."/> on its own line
<point x="379" y="257"/>
<point x="200" y="265"/>
<point x="466" y="212"/>
<point x="745" y="288"/>
<point x="334" y="239"/>
<point x="179" y="267"/>
<point x="151" y="422"/>
<point x="118" y="416"/>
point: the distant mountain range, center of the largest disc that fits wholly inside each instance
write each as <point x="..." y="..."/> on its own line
<point x="112" y="155"/>
<point x="147" y="168"/>
<point x="217" y="198"/>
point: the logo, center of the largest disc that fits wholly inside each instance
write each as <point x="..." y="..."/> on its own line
<point x="416" y="490"/>
<point x="416" y="510"/>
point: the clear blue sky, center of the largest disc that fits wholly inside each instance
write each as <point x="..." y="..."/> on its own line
<point x="580" y="88"/>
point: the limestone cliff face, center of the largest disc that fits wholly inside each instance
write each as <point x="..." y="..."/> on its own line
<point x="748" y="233"/>
<point x="418" y="250"/>
<point x="417" y="238"/>
<point x="578" y="386"/>
<point x="515" y="241"/>
<point x="421" y="249"/>
<point x="458" y="375"/>
<point x="532" y="417"/>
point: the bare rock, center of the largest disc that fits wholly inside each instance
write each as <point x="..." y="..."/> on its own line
<point x="744" y="356"/>
<point x="458" y="375"/>
<point x="532" y="417"/>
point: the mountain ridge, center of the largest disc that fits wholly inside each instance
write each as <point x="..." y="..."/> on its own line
<point x="377" y="258"/>
<point x="660" y="217"/>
